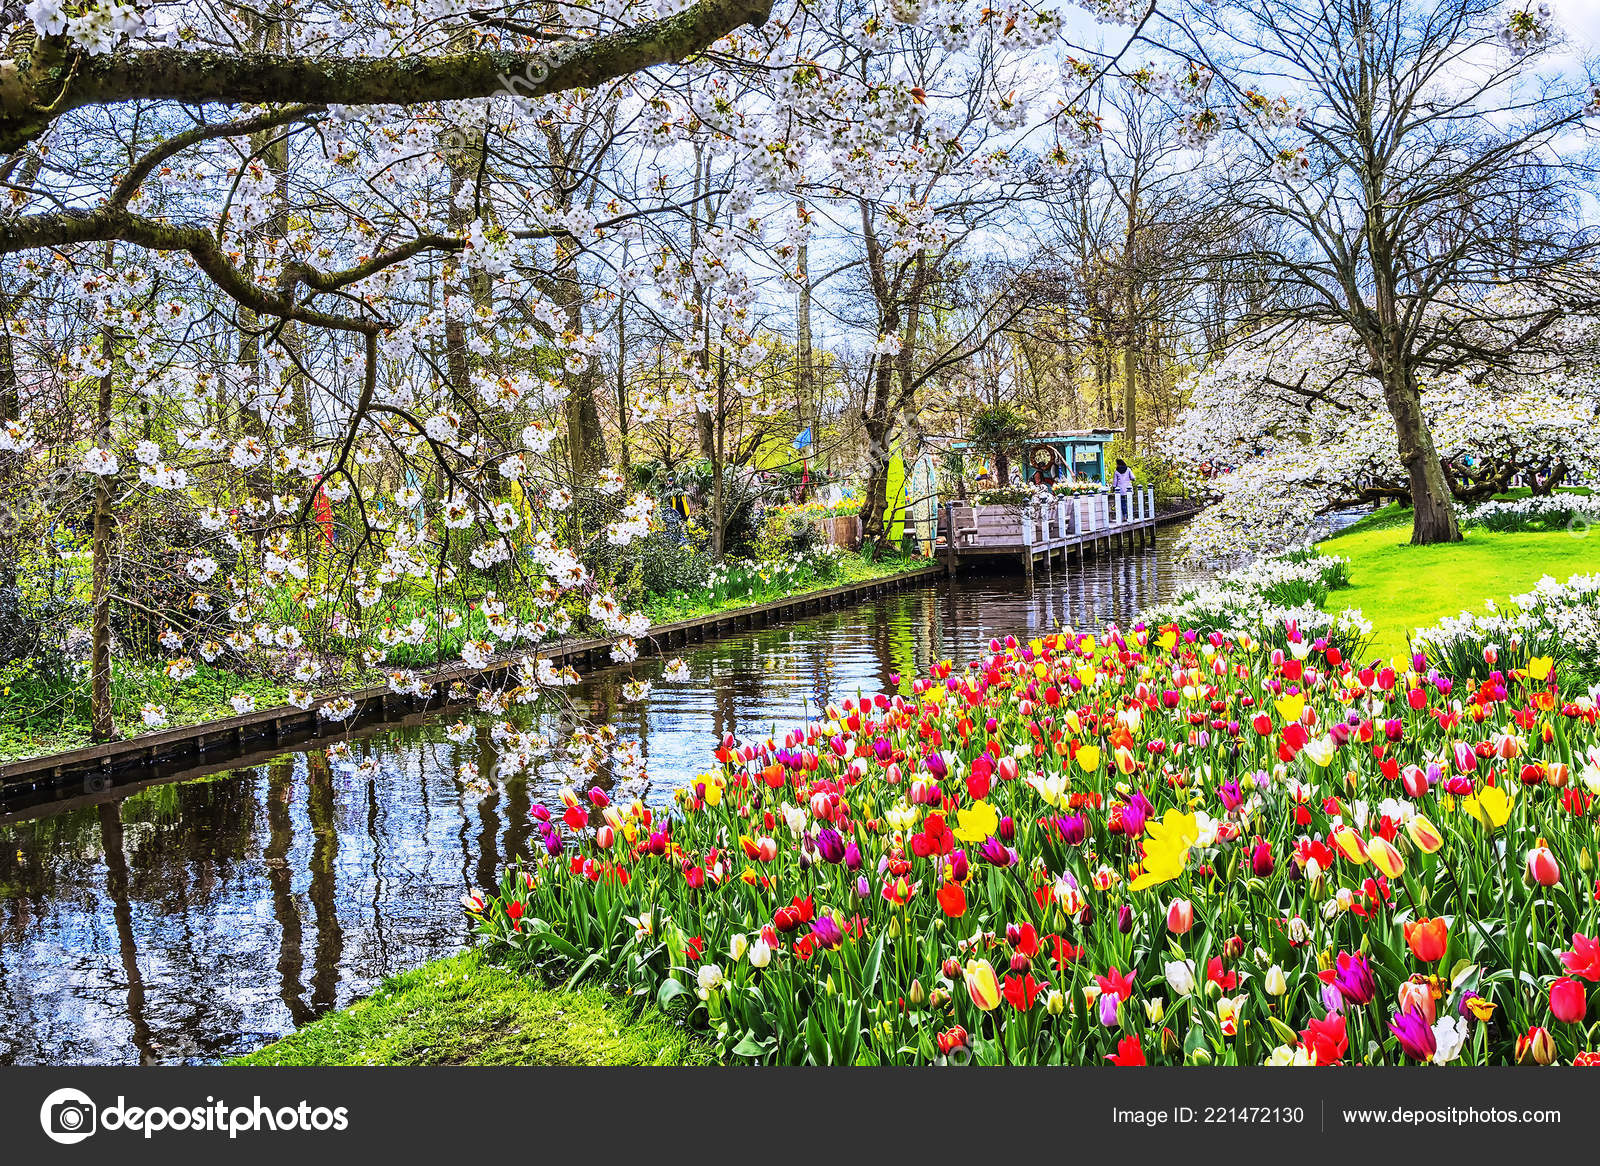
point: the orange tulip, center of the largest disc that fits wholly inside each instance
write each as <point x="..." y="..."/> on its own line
<point x="1427" y="939"/>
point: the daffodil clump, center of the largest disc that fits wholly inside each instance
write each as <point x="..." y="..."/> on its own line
<point x="1152" y="846"/>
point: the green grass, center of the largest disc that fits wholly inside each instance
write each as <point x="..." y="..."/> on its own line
<point x="39" y="716"/>
<point x="467" y="1011"/>
<point x="852" y="567"/>
<point x="1400" y="587"/>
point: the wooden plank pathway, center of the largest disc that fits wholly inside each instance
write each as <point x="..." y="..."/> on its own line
<point x="1043" y="534"/>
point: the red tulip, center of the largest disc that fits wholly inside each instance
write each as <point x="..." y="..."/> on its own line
<point x="1568" y="1001"/>
<point x="1129" y="1052"/>
<point x="1180" y="916"/>
<point x="952" y="900"/>
<point x="1542" y="866"/>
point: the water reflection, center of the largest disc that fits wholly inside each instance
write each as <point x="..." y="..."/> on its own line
<point x="194" y="920"/>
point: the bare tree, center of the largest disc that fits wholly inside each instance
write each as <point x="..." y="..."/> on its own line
<point x="1417" y="158"/>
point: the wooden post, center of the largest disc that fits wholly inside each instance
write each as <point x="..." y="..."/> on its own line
<point x="1027" y="546"/>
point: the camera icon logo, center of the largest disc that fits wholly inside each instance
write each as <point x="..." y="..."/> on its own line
<point x="68" y="1116"/>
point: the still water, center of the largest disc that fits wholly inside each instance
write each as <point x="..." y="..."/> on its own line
<point x="200" y="917"/>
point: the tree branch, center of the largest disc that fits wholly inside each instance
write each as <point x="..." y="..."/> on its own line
<point x="54" y="77"/>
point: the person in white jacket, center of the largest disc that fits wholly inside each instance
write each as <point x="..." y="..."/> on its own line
<point x="1122" y="486"/>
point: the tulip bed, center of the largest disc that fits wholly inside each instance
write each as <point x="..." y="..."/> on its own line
<point x="1155" y="846"/>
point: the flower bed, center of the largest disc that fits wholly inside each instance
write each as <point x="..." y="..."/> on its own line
<point x="1563" y="511"/>
<point x="1277" y="597"/>
<point x="1560" y="621"/>
<point x="1161" y="847"/>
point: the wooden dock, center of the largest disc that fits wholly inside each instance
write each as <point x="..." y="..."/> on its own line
<point x="1044" y="533"/>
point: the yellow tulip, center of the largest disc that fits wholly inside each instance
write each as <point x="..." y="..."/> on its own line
<point x="1290" y="707"/>
<point x="1491" y="805"/>
<point x="976" y="822"/>
<point x="1167" y="640"/>
<point x="1166" y="848"/>
<point x="1089" y="758"/>
<point x="982" y="984"/>
<point x="1349" y="844"/>
<point x="1385" y="857"/>
<point x="1539" y="667"/>
<point x="1424" y="834"/>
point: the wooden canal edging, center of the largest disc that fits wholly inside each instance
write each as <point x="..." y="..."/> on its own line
<point x="222" y="744"/>
<point x="1046" y="532"/>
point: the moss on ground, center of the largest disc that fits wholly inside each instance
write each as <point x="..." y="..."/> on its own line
<point x="465" y="1010"/>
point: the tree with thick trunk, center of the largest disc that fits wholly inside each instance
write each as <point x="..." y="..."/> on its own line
<point x="1416" y="159"/>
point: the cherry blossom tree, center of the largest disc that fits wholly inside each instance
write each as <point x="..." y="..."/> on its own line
<point x="1407" y="159"/>
<point x="1293" y="425"/>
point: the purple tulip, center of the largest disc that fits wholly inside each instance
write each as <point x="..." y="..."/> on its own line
<point x="1073" y="829"/>
<point x="826" y="932"/>
<point x="1332" y="999"/>
<point x="852" y="856"/>
<point x="1125" y="919"/>
<point x="1352" y="975"/>
<point x="1415" y="1035"/>
<point x="959" y="866"/>
<point x="994" y="852"/>
<point x="830" y="845"/>
<point x="1109" y="1003"/>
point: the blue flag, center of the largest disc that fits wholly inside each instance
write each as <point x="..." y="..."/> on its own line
<point x="804" y="439"/>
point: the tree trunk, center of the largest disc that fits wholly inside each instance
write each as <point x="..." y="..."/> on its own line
<point x="719" y="516"/>
<point x="804" y="385"/>
<point x="1433" y="517"/>
<point x="1130" y="394"/>
<point x="102" y="726"/>
<point x="622" y="379"/>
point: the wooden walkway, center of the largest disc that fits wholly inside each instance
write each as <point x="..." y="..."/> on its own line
<point x="1045" y="533"/>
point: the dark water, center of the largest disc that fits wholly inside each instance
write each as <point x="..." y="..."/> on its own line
<point x="203" y="916"/>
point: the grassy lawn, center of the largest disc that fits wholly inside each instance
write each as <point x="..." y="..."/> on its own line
<point x="1400" y="587"/>
<point x="37" y="717"/>
<point x="465" y="1011"/>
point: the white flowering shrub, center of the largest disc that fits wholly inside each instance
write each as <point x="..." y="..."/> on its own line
<point x="1277" y="600"/>
<point x="1556" y="620"/>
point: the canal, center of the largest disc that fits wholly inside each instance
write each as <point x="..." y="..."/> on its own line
<point x="204" y="915"/>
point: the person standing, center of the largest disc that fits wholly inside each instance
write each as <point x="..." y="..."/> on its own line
<point x="1122" y="485"/>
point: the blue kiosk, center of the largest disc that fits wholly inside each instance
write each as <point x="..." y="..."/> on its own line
<point x="1055" y="457"/>
<point x="1048" y="458"/>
